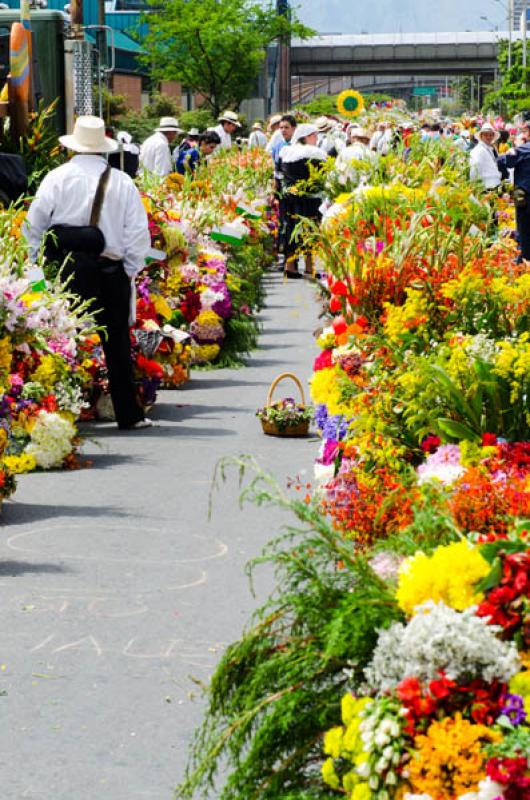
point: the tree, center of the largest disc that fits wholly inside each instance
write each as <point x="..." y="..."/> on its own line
<point x="511" y="96"/>
<point x="214" y="47"/>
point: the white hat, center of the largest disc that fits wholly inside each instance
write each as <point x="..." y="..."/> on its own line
<point x="275" y="120"/>
<point x="257" y="126"/>
<point x="89" y="137"/>
<point x="303" y="130"/>
<point x="229" y="116"/>
<point x="359" y="133"/>
<point x="324" y="124"/>
<point x="169" y="124"/>
<point x="193" y="132"/>
<point x="124" y="137"/>
<point x="487" y="127"/>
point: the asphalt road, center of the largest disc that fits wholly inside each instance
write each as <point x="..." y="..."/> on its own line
<point x="115" y="589"/>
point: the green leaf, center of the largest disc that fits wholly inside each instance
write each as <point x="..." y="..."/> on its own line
<point x="457" y="430"/>
<point x="493" y="578"/>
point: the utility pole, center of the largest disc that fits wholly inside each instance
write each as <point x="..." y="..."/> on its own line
<point x="284" y="60"/>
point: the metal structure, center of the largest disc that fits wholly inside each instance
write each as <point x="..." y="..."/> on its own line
<point x="401" y="54"/>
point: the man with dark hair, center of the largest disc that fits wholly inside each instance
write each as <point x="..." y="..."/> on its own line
<point x="187" y="160"/>
<point x="287" y="128"/>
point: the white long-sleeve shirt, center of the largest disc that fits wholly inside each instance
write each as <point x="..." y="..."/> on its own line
<point x="66" y="196"/>
<point x="483" y="166"/>
<point x="226" y="138"/>
<point x="155" y="155"/>
<point x="257" y="139"/>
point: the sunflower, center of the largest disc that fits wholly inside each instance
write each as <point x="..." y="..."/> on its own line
<point x="350" y="103"/>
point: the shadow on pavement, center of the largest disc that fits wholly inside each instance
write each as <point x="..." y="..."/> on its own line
<point x="221" y="383"/>
<point x="16" y="513"/>
<point x="12" y="569"/>
<point x="180" y="412"/>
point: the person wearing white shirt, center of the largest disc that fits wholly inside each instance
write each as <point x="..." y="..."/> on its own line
<point x="155" y="153"/>
<point x="483" y="158"/>
<point x="228" y="124"/>
<point x="102" y="251"/>
<point x="257" y="138"/>
<point x="348" y="160"/>
<point x="273" y="129"/>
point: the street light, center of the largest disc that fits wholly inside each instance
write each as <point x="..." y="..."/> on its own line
<point x="494" y="27"/>
<point x="508" y="7"/>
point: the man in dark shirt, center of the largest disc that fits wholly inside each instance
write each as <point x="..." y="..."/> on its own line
<point x="187" y="160"/>
<point x="518" y="159"/>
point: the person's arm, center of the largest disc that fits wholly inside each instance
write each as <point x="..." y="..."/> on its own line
<point x="136" y="232"/>
<point x="39" y="216"/>
<point x="508" y="161"/>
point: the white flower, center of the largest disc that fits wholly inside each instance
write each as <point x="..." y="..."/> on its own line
<point x="381" y="739"/>
<point x="51" y="439"/>
<point x="437" y="639"/>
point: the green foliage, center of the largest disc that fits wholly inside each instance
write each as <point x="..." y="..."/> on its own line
<point x="39" y="147"/>
<point x="278" y="688"/>
<point x="216" y="47"/>
<point x="511" y="95"/>
<point x="200" y="118"/>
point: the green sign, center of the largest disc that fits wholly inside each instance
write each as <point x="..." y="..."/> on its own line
<point x="424" y="91"/>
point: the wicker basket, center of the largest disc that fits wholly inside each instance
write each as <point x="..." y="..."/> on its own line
<point x="270" y="428"/>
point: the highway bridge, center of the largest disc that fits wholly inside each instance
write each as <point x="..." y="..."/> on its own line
<point x="399" y="54"/>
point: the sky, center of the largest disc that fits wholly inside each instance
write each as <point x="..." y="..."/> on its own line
<point x="401" y="16"/>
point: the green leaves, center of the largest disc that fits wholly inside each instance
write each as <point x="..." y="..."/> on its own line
<point x="215" y="47"/>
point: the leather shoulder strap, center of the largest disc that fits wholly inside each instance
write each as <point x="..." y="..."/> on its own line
<point x="100" y="196"/>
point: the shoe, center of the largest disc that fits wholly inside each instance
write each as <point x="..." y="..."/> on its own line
<point x="142" y="423"/>
<point x="293" y="275"/>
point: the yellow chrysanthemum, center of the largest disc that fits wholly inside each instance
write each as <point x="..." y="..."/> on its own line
<point x="329" y="775"/>
<point x="333" y="741"/>
<point x="456" y="743"/>
<point x="325" y="389"/>
<point x="20" y="464"/>
<point x="450" y="575"/>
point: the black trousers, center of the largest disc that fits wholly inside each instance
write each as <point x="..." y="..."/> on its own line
<point x="106" y="285"/>
<point x="522" y="217"/>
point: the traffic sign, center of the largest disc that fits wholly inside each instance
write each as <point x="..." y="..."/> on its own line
<point x="424" y="91"/>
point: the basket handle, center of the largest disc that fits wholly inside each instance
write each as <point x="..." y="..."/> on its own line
<point x="281" y="377"/>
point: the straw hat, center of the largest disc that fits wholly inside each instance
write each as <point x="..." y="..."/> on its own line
<point x="169" y="124"/>
<point x="229" y="116"/>
<point x="274" y="120"/>
<point x="323" y="124"/>
<point x="487" y="127"/>
<point x="257" y="126"/>
<point x="89" y="137"/>
<point x="359" y="133"/>
<point x="303" y="130"/>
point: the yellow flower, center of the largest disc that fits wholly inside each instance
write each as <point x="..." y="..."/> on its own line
<point x="329" y="775"/>
<point x="325" y="389"/>
<point x="333" y="741"/>
<point x="449" y="760"/>
<point x="361" y="792"/>
<point x="350" y="103"/>
<point x="520" y="684"/>
<point x="450" y="575"/>
<point x="208" y="317"/>
<point x="20" y="464"/>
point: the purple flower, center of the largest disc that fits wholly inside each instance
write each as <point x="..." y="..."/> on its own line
<point x="329" y="453"/>
<point x="513" y="708"/>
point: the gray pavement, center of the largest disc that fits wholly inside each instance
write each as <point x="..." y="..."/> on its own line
<point x="115" y="589"/>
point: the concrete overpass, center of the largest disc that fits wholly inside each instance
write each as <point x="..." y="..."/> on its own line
<point x="398" y="54"/>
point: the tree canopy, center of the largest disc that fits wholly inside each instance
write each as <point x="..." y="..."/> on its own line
<point x="214" y="47"/>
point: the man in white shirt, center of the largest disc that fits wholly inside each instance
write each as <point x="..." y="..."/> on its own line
<point x="273" y="129"/>
<point x="483" y="158"/>
<point x="99" y="271"/>
<point x="155" y="153"/>
<point x="257" y="138"/>
<point x="228" y="124"/>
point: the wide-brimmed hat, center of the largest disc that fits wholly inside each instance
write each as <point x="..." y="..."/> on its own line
<point x="193" y="133"/>
<point x="89" y="137"/>
<point x="257" y="126"/>
<point x="323" y="124"/>
<point x="359" y="133"/>
<point x="229" y="116"/>
<point x="274" y="120"/>
<point x="303" y="130"/>
<point x="168" y="124"/>
<point x="487" y="127"/>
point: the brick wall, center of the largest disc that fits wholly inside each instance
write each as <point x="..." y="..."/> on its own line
<point x="131" y="86"/>
<point x="172" y="89"/>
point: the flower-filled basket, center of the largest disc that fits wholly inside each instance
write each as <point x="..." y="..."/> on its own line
<point x="285" y="417"/>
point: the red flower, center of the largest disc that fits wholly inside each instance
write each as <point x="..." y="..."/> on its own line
<point x="489" y="439"/>
<point x="430" y="443"/>
<point x="323" y="361"/>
